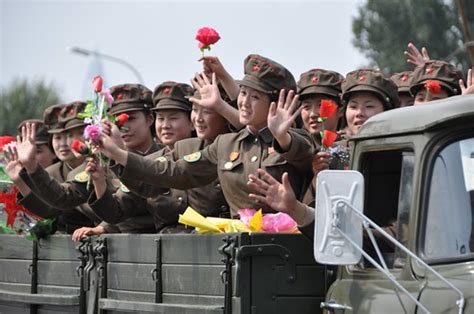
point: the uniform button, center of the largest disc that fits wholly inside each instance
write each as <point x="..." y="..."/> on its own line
<point x="218" y="185"/>
<point x="223" y="208"/>
<point x="256" y="140"/>
<point x="254" y="159"/>
<point x="180" y="199"/>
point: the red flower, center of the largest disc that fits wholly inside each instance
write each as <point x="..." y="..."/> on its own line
<point x="80" y="147"/>
<point x="121" y="119"/>
<point x="207" y="36"/>
<point x="329" y="137"/>
<point x="433" y="86"/>
<point x="8" y="199"/>
<point x="97" y="83"/>
<point x="4" y="140"/>
<point x="327" y="108"/>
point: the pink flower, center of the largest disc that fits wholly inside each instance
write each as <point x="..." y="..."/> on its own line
<point x="279" y="222"/>
<point x="207" y="36"/>
<point x="246" y="214"/>
<point x="92" y="132"/>
<point x="97" y="83"/>
<point x="108" y="97"/>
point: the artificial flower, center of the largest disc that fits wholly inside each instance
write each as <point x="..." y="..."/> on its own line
<point x="80" y="147"/>
<point x="433" y="86"/>
<point x="97" y="82"/>
<point x="108" y="97"/>
<point x="92" y="133"/>
<point x="121" y="119"/>
<point x="328" y="138"/>
<point x="207" y="36"/>
<point x="327" y="108"/>
<point x="4" y="140"/>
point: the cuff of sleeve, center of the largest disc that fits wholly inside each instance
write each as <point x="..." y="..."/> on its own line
<point x="133" y="160"/>
<point x="307" y="217"/>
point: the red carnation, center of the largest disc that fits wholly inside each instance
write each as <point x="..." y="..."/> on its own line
<point x="327" y="108"/>
<point x="329" y="137"/>
<point x="207" y="36"/>
<point x="97" y="83"/>
<point x="433" y="86"/>
<point x="4" y="140"/>
<point x="121" y="119"/>
<point x="80" y="147"/>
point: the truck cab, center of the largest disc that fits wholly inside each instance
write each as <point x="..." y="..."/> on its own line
<point x="417" y="165"/>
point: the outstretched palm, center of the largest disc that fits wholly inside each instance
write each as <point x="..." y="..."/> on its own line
<point x="26" y="146"/>
<point x="282" y="115"/>
<point x="279" y="196"/>
<point x="209" y="92"/>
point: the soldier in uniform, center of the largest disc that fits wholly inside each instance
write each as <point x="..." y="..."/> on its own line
<point x="403" y="81"/>
<point x="172" y="123"/>
<point x="135" y="100"/>
<point x="365" y="93"/>
<point x="435" y="80"/>
<point x="63" y="125"/>
<point x="314" y="86"/>
<point x="268" y="108"/>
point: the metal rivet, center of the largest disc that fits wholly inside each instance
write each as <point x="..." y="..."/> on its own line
<point x="253" y="159"/>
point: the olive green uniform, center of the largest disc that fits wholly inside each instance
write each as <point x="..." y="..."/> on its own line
<point x="231" y="158"/>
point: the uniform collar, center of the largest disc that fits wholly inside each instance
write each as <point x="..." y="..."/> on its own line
<point x="264" y="134"/>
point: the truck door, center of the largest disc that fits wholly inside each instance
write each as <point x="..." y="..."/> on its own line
<point x="447" y="239"/>
<point x="388" y="199"/>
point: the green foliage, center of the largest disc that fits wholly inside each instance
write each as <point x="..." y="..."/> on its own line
<point x="23" y="100"/>
<point x="383" y="29"/>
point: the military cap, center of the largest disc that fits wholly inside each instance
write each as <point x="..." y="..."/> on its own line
<point x="42" y="135"/>
<point x="68" y="116"/>
<point x="445" y="73"/>
<point x="403" y="81"/>
<point x="371" y="80"/>
<point x="265" y="75"/>
<point x="51" y="117"/>
<point x="130" y="97"/>
<point x="172" y="95"/>
<point x="319" y="81"/>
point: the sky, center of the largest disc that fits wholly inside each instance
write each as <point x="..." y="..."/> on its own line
<point x="157" y="39"/>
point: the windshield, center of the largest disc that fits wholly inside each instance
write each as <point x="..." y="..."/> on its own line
<point x="448" y="231"/>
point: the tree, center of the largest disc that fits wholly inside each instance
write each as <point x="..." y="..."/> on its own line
<point x="383" y="29"/>
<point x="24" y="100"/>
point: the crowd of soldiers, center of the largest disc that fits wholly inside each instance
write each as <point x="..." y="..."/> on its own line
<point x="218" y="146"/>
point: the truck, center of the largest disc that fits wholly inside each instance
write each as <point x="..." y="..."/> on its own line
<point x="412" y="168"/>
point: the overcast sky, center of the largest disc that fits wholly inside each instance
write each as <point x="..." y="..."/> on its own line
<point x="157" y="38"/>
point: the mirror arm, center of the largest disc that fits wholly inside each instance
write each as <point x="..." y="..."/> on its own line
<point x="460" y="303"/>
<point x="383" y="271"/>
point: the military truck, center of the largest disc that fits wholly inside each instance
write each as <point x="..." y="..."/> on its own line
<point x="413" y="166"/>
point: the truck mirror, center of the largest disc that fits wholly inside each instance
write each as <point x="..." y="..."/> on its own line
<point x="337" y="228"/>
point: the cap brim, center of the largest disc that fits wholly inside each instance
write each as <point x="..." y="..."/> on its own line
<point x="114" y="113"/>
<point x="253" y="85"/>
<point x="415" y="88"/>
<point x="365" y="88"/>
<point x="320" y="90"/>
<point x="169" y="104"/>
<point x="74" y="124"/>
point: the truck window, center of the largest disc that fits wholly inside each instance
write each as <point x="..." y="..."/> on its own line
<point x="388" y="193"/>
<point x="448" y="225"/>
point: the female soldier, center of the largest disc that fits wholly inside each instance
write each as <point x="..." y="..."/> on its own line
<point x="266" y="141"/>
<point x="135" y="101"/>
<point x="172" y="124"/>
<point x="315" y="86"/>
<point x="62" y="123"/>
